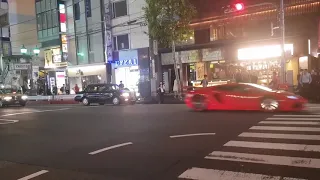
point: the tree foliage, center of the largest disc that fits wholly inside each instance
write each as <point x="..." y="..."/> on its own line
<point x="169" y="20"/>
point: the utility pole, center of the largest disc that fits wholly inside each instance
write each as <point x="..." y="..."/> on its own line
<point x="283" y="58"/>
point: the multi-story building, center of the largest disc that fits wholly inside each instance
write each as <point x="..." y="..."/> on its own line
<point x="92" y="41"/>
<point x="18" y="29"/>
<point x="225" y="43"/>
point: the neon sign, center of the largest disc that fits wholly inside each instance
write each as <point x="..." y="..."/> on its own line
<point x="63" y="18"/>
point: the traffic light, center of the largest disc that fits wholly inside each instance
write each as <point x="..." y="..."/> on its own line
<point x="239" y="6"/>
<point x="236" y="7"/>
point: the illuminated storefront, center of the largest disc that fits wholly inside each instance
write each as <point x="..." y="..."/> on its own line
<point x="126" y="69"/>
<point x="85" y="75"/>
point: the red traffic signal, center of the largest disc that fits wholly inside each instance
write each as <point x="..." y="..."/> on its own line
<point x="239" y="6"/>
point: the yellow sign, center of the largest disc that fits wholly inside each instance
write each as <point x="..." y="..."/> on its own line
<point x="200" y="71"/>
<point x="48" y="63"/>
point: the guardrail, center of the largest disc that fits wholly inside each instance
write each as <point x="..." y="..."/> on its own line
<point x="49" y="98"/>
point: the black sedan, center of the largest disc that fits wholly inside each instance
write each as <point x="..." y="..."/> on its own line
<point x="105" y="94"/>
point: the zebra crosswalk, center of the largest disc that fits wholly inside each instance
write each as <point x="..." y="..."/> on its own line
<point x="281" y="141"/>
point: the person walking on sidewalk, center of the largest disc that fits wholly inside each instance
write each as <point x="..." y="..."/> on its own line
<point x="305" y="81"/>
<point x="205" y="82"/>
<point x="76" y="89"/>
<point x="161" y="91"/>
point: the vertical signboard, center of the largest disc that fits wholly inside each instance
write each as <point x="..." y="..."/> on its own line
<point x="107" y="31"/>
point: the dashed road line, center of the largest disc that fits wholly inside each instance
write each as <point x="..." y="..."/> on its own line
<point x="34" y="175"/>
<point x="109" y="148"/>
<point x="189" y="135"/>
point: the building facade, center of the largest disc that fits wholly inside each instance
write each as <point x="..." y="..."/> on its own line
<point x="92" y="41"/>
<point x="227" y="43"/>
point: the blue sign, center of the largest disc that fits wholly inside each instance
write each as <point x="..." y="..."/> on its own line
<point x="127" y="62"/>
<point x="127" y="58"/>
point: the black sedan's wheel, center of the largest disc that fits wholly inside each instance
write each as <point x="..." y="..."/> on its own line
<point x="85" y="101"/>
<point x="115" y="101"/>
<point x="199" y="103"/>
<point x="269" y="104"/>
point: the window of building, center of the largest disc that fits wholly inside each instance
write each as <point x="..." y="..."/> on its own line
<point x="76" y="11"/>
<point x="49" y="19"/>
<point x="5" y="32"/>
<point x="38" y="7"/>
<point x="39" y="22"/>
<point x="55" y="20"/>
<point x="48" y="4"/>
<point x="54" y="4"/>
<point x="82" y="49"/>
<point x="6" y="48"/>
<point x="43" y="6"/>
<point x="44" y="21"/>
<point x="119" y="9"/>
<point x="121" y="42"/>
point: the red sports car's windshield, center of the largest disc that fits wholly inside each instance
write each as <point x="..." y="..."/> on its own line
<point x="261" y="87"/>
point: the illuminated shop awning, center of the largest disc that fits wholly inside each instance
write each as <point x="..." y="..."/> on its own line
<point x="263" y="52"/>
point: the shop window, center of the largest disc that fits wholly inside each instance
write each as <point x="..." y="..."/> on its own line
<point x="39" y="22"/>
<point x="119" y="9"/>
<point x="121" y="42"/>
<point x="76" y="10"/>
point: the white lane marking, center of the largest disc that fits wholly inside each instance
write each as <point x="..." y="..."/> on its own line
<point x="283" y="128"/>
<point x="290" y="122"/>
<point x="210" y="174"/>
<point x="34" y="175"/>
<point x="109" y="148"/>
<point x="265" y="159"/>
<point x="295" y="119"/>
<point x="30" y="112"/>
<point x="7" y="121"/>
<point x="188" y="135"/>
<point x="280" y="146"/>
<point x="297" y="115"/>
<point x="280" y="136"/>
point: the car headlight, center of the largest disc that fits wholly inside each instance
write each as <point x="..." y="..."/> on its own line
<point x="292" y="97"/>
<point x="137" y="94"/>
<point x="24" y="97"/>
<point x="125" y="94"/>
<point x="7" y="98"/>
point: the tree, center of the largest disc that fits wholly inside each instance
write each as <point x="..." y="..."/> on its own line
<point x="168" y="22"/>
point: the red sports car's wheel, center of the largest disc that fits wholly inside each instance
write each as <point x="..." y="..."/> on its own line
<point x="199" y="103"/>
<point x="269" y="105"/>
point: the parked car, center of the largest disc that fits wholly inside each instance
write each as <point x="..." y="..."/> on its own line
<point x="105" y="94"/>
<point x="11" y="96"/>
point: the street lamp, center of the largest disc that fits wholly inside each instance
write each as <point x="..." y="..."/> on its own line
<point x="36" y="51"/>
<point x="23" y="50"/>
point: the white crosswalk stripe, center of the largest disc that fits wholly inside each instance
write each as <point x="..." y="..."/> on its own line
<point x="298" y="134"/>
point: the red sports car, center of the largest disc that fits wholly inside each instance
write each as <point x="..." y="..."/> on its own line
<point x="243" y="96"/>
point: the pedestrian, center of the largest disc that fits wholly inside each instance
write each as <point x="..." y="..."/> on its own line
<point x="175" y="88"/>
<point x="204" y="82"/>
<point x="305" y="81"/>
<point x="274" y="84"/>
<point x="76" y="89"/>
<point x="161" y="91"/>
<point x="121" y="85"/>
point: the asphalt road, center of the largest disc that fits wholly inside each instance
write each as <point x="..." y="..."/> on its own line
<point x="156" y="142"/>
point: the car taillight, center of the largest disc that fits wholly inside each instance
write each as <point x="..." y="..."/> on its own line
<point x="189" y="95"/>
